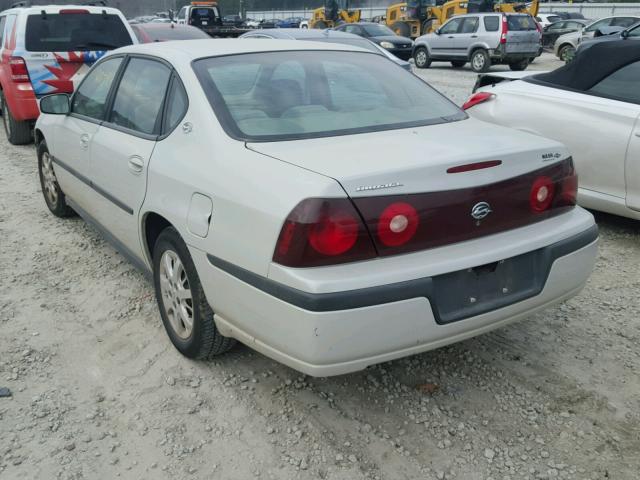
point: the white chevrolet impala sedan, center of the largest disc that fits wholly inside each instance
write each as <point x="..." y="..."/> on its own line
<point x="314" y="201"/>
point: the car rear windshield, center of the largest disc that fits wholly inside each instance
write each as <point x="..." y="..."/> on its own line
<point x="75" y="32"/>
<point x="309" y="94"/>
<point x="521" y="22"/>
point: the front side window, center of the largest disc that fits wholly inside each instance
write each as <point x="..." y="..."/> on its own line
<point x="635" y="33"/>
<point x="624" y="22"/>
<point x="621" y="85"/>
<point x="451" y="27"/>
<point x="91" y="97"/>
<point x="491" y="23"/>
<point x="316" y="94"/>
<point x="182" y="14"/>
<point x="72" y="32"/>
<point x="140" y="95"/>
<point x="599" y="24"/>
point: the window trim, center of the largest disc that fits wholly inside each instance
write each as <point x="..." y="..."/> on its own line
<point x="3" y="27"/>
<point x="175" y="78"/>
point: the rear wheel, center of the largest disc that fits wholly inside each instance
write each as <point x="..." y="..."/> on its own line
<point x="480" y="61"/>
<point x="53" y="195"/>
<point x="421" y="57"/>
<point x="567" y="53"/>
<point x="18" y="133"/>
<point x="458" y="63"/>
<point x="186" y="314"/>
<point x="519" y="66"/>
<point x="401" y="29"/>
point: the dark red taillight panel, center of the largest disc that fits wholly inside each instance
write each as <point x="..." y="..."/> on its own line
<point x="476" y="99"/>
<point x="19" y="71"/>
<point x="323" y="232"/>
<point x="331" y="231"/>
<point x="457" y="215"/>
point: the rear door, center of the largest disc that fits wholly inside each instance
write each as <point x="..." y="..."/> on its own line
<point x="61" y="47"/>
<point x="466" y="36"/>
<point x="522" y="34"/>
<point x="122" y="147"/>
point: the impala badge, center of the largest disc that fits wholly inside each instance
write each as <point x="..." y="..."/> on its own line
<point x="480" y="211"/>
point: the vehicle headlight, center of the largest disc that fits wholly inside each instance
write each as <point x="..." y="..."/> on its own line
<point x="387" y="45"/>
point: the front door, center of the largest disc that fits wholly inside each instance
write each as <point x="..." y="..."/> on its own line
<point x="122" y="148"/>
<point x="466" y="36"/>
<point x="71" y="142"/>
<point x="633" y="169"/>
<point x="443" y="43"/>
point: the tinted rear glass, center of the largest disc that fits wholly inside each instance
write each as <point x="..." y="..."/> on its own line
<point x="75" y="32"/>
<point x="519" y="23"/>
<point x="491" y="24"/>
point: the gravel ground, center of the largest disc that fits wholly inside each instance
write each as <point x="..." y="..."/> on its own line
<point x="98" y="392"/>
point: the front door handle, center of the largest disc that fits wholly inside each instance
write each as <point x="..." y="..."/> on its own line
<point x="450" y="36"/>
<point x="136" y="164"/>
<point x="474" y="36"/>
<point x="84" y="141"/>
<point x="637" y="134"/>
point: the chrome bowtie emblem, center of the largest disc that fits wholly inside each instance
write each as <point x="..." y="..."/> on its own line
<point x="480" y="210"/>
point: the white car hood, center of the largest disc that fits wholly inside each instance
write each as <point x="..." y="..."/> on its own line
<point x="416" y="159"/>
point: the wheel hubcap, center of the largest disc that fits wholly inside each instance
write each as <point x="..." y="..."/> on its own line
<point x="49" y="181"/>
<point x="176" y="294"/>
<point x="421" y="58"/>
<point x="478" y="61"/>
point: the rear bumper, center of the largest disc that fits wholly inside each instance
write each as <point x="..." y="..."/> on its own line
<point x="341" y="332"/>
<point x="500" y="56"/>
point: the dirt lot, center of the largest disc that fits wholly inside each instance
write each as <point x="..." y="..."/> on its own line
<point x="98" y="392"/>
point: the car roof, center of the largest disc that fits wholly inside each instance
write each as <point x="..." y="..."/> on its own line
<point x="194" y="49"/>
<point x="56" y="8"/>
<point x="298" y="33"/>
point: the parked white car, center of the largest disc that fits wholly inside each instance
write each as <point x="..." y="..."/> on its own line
<point x="312" y="201"/>
<point x="565" y="46"/>
<point x="591" y="105"/>
<point x="546" y="19"/>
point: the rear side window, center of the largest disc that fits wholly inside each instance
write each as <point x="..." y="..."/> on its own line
<point x="177" y="106"/>
<point x="75" y="32"/>
<point x="520" y="23"/>
<point x="492" y="23"/>
<point x="91" y="97"/>
<point x="140" y="95"/>
<point x="622" y="84"/>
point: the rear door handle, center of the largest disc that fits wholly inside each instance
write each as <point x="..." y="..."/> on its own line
<point x="84" y="140"/>
<point x="450" y="36"/>
<point x="474" y="36"/>
<point x="136" y="165"/>
<point x="637" y="134"/>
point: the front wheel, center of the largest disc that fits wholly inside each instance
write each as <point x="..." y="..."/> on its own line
<point x="186" y="314"/>
<point x="421" y="57"/>
<point x="480" y="61"/>
<point x="567" y="53"/>
<point x="519" y="66"/>
<point x="53" y="195"/>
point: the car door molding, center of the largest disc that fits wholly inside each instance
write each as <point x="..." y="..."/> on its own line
<point x="95" y="187"/>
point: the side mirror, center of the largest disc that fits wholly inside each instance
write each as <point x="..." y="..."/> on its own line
<point x="624" y="34"/>
<point x="58" y="104"/>
<point x="437" y="31"/>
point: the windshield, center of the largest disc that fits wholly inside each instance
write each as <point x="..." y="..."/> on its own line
<point x="75" y="32"/>
<point x="308" y="94"/>
<point x="378" y="30"/>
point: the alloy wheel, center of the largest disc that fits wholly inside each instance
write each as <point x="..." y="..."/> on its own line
<point x="49" y="180"/>
<point x="478" y="61"/>
<point x="176" y="294"/>
<point x="421" y="58"/>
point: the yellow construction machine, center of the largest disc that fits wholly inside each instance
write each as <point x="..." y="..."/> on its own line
<point x="334" y="12"/>
<point x="417" y="17"/>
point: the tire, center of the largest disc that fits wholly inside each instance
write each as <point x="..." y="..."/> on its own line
<point x="320" y="24"/>
<point x="421" y="57"/>
<point x="200" y="340"/>
<point x="51" y="191"/>
<point x="519" y="66"/>
<point x="18" y="133"/>
<point x="480" y="61"/>
<point x="458" y="63"/>
<point x="401" y="29"/>
<point x="567" y="53"/>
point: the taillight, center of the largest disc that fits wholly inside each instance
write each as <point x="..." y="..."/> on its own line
<point x="398" y="224"/>
<point x="19" y="72"/>
<point x="505" y="30"/>
<point x="323" y="232"/>
<point x="476" y="99"/>
<point x="542" y="193"/>
<point x="73" y="11"/>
